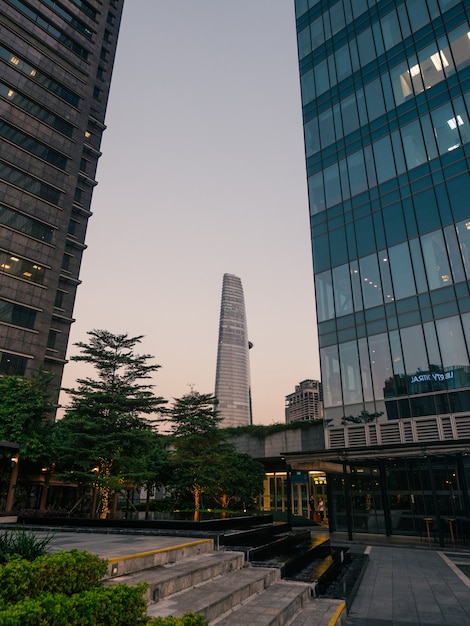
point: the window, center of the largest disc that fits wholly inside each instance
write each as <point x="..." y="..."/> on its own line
<point x="16" y="266"/>
<point x="12" y="364"/>
<point x="463" y="234"/>
<point x="402" y="271"/>
<point x="16" y="314"/>
<point x="36" y="110"/>
<point x="26" y="225"/>
<point x="31" y="145"/>
<point x="42" y="79"/>
<point x="435" y="260"/>
<point x="29" y="183"/>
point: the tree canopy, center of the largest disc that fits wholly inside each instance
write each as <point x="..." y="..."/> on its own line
<point x="26" y="413"/>
<point x="105" y="437"/>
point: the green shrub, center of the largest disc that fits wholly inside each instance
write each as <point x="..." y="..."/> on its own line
<point x="117" y="605"/>
<point x="24" y="543"/>
<point x="64" y="572"/>
<point x="188" y="619"/>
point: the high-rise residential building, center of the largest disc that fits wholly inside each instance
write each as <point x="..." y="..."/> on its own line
<point x="232" y="379"/>
<point x="56" y="60"/>
<point x="386" y="103"/>
<point x="305" y="404"/>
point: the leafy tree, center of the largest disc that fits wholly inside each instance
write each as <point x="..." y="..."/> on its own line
<point x="26" y="414"/>
<point x="196" y="438"/>
<point x="104" y="439"/>
<point x="240" y="480"/>
<point x="203" y="461"/>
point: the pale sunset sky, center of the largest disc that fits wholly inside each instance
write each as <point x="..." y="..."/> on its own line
<point x="203" y="173"/>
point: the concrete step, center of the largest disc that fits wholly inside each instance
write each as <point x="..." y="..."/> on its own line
<point x="275" y="606"/>
<point x="171" y="578"/>
<point x="321" y="612"/>
<point x="153" y="558"/>
<point x="217" y="596"/>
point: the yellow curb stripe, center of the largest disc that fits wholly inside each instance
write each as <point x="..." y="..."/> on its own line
<point x="159" y="551"/>
<point x="337" y="614"/>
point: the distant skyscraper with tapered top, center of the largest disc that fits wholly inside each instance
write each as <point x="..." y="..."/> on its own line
<point x="232" y="379"/>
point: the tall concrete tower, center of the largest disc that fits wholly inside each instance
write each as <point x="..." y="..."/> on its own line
<point x="232" y="378"/>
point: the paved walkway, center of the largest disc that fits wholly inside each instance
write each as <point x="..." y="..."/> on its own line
<point x="113" y="545"/>
<point x="405" y="586"/>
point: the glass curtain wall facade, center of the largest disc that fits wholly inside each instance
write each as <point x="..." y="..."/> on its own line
<point x="56" y="61"/>
<point x="386" y="109"/>
<point x="232" y="378"/>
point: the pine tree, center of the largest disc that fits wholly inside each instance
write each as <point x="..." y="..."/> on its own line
<point x="105" y="438"/>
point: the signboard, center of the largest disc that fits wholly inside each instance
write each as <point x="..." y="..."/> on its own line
<point x="299" y="476"/>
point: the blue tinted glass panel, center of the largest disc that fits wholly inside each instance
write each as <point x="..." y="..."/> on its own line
<point x="366" y="375"/>
<point x="394" y="224"/>
<point x="349" y="113"/>
<point x="426" y="210"/>
<point x="414" y="350"/>
<point x="344" y="177"/>
<point x="330" y="375"/>
<point x="316" y="193"/>
<point x="343" y="62"/>
<point x="321" y="77"/>
<point x="452" y="342"/>
<point x="350" y="373"/>
<point x="307" y="87"/>
<point x="466" y="328"/>
<point x="417" y="13"/>
<point x="366" y="48"/>
<point x="460" y="45"/>
<point x="374" y="99"/>
<point x="303" y="42"/>
<point x="435" y="260"/>
<point x="381" y="363"/>
<point x="317" y="34"/>
<point x="446" y="128"/>
<point x="356" y="286"/>
<point x="413" y="144"/>
<point x="458" y="188"/>
<point x="432" y="346"/>
<point x="324" y="296"/>
<point x="312" y="138"/>
<point x="400" y="164"/>
<point x="365" y="235"/>
<point x="386" y="278"/>
<point x="384" y="162"/>
<point x="401" y="83"/>
<point x="370" y="281"/>
<point x="357" y="173"/>
<point x="327" y="129"/>
<point x="342" y="290"/>
<point x="332" y="185"/>
<point x="338" y="247"/>
<point x="321" y="253"/>
<point x="390" y="30"/>
<point x="461" y="119"/>
<point x="463" y="234"/>
<point x="418" y="265"/>
<point x="401" y="269"/>
<point x="453" y="251"/>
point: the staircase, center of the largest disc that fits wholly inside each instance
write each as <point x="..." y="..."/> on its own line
<point x="224" y="588"/>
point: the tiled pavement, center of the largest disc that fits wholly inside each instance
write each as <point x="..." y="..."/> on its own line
<point x="408" y="586"/>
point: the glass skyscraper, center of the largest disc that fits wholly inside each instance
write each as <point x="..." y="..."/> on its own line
<point x="386" y="104"/>
<point x="232" y="378"/>
<point x="56" y="61"/>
